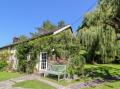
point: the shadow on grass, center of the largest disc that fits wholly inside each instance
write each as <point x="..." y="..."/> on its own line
<point x="104" y="72"/>
<point x="53" y="77"/>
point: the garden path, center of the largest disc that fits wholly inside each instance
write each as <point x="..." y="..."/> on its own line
<point x="85" y="84"/>
<point x="8" y="83"/>
<point x="93" y="83"/>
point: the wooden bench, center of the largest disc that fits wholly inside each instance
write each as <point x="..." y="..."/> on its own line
<point x="56" y="70"/>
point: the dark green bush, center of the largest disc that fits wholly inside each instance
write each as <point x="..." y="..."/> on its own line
<point x="22" y="50"/>
<point x="24" y="64"/>
<point x="3" y="64"/>
<point x="76" y="65"/>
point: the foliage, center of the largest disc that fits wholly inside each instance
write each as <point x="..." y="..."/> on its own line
<point x="76" y="65"/>
<point x="107" y="44"/>
<point x="76" y="58"/>
<point x="64" y="45"/>
<point x="58" y="42"/>
<point x="47" y="26"/>
<point x="21" y="54"/>
<point x="97" y="35"/>
<point x="4" y="57"/>
<point x="31" y="63"/>
<point x="26" y="64"/>
<point x="118" y="50"/>
<point x="61" y="24"/>
<point x="3" y="64"/>
<point x="22" y="38"/>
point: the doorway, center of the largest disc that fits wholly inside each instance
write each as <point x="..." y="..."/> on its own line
<point x="43" y="61"/>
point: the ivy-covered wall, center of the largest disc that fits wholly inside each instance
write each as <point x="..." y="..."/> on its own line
<point x="59" y="42"/>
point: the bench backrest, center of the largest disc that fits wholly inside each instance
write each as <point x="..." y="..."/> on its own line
<point x="58" y="68"/>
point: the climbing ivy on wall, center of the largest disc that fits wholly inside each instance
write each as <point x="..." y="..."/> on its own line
<point x="22" y="50"/>
<point x="60" y="42"/>
<point x="4" y="58"/>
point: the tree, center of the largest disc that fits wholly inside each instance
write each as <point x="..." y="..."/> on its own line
<point x="46" y="27"/>
<point x="97" y="34"/>
<point x="61" y="24"/>
<point x="35" y="34"/>
<point x="22" y="38"/>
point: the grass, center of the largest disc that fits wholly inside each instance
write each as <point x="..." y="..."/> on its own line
<point x="54" y="79"/>
<point x="112" y="85"/>
<point x="102" y="65"/>
<point x="92" y="72"/>
<point x="8" y="75"/>
<point x="33" y="84"/>
<point x="102" y="70"/>
<point x="65" y="82"/>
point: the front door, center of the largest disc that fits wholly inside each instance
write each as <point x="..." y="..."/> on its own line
<point x="43" y="61"/>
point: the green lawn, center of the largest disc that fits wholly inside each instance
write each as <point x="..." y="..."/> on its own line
<point x="98" y="71"/>
<point x="8" y="75"/>
<point x="102" y="70"/>
<point x="54" y="79"/>
<point x="112" y="85"/>
<point x="101" y="65"/>
<point x="33" y="84"/>
<point x="66" y="82"/>
<point x="92" y="72"/>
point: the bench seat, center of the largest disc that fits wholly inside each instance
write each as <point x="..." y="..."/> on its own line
<point x="56" y="70"/>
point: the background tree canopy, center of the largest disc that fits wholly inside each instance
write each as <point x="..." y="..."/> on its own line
<point x="47" y="26"/>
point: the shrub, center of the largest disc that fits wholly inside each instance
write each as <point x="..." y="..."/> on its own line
<point x="4" y="56"/>
<point x="22" y="50"/>
<point x="76" y="65"/>
<point x="26" y="64"/>
<point x="3" y="65"/>
<point x="31" y="63"/>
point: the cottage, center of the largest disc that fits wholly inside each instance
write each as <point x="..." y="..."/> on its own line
<point x="43" y="57"/>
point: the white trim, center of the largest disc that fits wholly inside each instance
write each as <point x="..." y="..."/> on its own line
<point x="62" y="29"/>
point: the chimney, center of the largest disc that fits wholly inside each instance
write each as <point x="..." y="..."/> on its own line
<point x="15" y="39"/>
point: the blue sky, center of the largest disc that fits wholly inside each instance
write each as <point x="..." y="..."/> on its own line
<point x="19" y="17"/>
